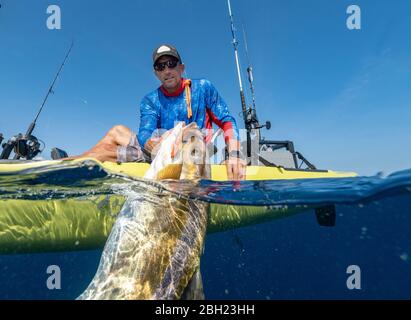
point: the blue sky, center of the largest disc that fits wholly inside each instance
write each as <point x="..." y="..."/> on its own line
<point x="342" y="96"/>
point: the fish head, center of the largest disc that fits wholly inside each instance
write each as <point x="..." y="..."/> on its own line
<point x="194" y="157"/>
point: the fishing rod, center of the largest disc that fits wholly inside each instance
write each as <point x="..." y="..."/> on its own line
<point x="33" y="124"/>
<point x="249" y="71"/>
<point x="253" y="109"/>
<point x="249" y="68"/>
<point x="240" y="81"/>
<point x="28" y="146"/>
<point x="249" y="114"/>
<point x="265" y="151"/>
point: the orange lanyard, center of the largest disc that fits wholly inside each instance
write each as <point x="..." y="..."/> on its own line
<point x="187" y="84"/>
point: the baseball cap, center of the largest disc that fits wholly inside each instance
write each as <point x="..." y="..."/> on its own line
<point x="165" y="50"/>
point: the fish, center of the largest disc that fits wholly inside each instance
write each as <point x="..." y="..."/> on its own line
<point x="154" y="249"/>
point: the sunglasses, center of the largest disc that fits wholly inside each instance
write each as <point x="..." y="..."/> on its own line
<point x="160" y="66"/>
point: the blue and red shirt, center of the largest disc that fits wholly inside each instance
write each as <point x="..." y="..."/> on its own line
<point x="196" y="101"/>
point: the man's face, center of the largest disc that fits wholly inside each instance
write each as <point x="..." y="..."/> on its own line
<point x="169" y="76"/>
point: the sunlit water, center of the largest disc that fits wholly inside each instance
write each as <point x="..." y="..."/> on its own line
<point x="291" y="258"/>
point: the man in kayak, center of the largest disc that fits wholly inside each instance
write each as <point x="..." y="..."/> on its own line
<point x="176" y="100"/>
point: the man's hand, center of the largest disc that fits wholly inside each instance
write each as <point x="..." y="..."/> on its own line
<point x="235" y="164"/>
<point x="236" y="168"/>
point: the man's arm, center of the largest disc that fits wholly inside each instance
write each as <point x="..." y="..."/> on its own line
<point x="218" y="112"/>
<point x="148" y="123"/>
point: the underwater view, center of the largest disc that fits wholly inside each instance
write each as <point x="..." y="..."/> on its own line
<point x="284" y="254"/>
<point x="205" y="150"/>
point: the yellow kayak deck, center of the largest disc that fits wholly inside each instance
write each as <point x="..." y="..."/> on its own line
<point x="218" y="172"/>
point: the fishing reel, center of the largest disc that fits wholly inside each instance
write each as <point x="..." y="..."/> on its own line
<point x="24" y="146"/>
<point x="251" y="120"/>
<point x="267" y="125"/>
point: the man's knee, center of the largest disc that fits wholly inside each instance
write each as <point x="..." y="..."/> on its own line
<point x="119" y="134"/>
<point x="119" y="130"/>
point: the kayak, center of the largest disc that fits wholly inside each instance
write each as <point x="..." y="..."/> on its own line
<point x="84" y="223"/>
<point x="137" y="170"/>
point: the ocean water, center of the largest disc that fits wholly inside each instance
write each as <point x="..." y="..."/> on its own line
<point x="289" y="258"/>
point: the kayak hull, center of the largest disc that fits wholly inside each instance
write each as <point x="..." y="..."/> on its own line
<point x="84" y="223"/>
<point x="28" y="226"/>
